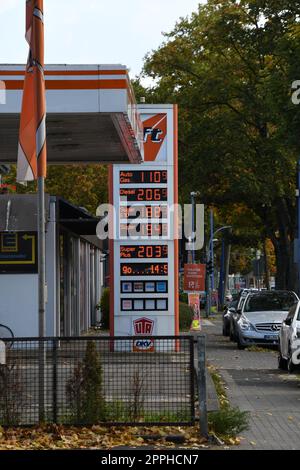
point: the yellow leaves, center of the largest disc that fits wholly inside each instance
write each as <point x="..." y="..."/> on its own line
<point x="96" y="437"/>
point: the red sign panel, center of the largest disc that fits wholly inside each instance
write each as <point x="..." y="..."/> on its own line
<point x="194" y="277"/>
<point x="143" y="326"/>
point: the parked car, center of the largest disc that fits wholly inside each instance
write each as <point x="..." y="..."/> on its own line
<point x="289" y="340"/>
<point x="235" y="315"/>
<point x="228" y="298"/>
<point x="229" y="310"/>
<point x="261" y="317"/>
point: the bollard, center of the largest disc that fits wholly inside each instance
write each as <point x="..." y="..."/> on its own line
<point x="2" y="353"/>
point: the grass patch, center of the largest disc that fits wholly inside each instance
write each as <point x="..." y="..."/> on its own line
<point x="228" y="422"/>
<point x="259" y="349"/>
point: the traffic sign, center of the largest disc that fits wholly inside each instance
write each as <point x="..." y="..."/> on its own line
<point x="194" y="277"/>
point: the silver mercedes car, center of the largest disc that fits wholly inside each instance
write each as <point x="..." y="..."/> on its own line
<point x="261" y="317"/>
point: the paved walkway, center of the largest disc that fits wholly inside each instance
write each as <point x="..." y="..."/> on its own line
<point x="255" y="384"/>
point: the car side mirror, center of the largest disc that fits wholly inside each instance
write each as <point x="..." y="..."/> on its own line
<point x="232" y="310"/>
<point x="288" y="321"/>
<point x="239" y="311"/>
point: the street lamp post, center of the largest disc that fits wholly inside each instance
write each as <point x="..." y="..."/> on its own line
<point x="209" y="252"/>
<point x="193" y="195"/>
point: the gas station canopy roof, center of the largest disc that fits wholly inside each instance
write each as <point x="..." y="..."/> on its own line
<point x="92" y="115"/>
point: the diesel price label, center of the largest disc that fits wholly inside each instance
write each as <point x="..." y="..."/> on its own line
<point x="151" y="459"/>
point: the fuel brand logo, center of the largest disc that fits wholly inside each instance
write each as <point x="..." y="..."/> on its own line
<point x="155" y="131"/>
<point x="143" y="326"/>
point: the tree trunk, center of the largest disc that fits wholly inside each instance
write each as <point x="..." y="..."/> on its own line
<point x="285" y="268"/>
<point x="283" y="242"/>
<point x="267" y="267"/>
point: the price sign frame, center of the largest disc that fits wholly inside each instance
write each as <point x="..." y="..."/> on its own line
<point x="149" y="185"/>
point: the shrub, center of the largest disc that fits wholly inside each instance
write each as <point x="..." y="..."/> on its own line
<point x="137" y="394"/>
<point x="185" y="316"/>
<point x="85" y="389"/>
<point x="104" y="305"/>
<point x="183" y="297"/>
<point x="12" y="396"/>
<point x="228" y="421"/>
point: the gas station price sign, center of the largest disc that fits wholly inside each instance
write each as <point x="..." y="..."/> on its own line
<point x="144" y="176"/>
<point x="155" y="230"/>
<point x="144" y="212"/>
<point x="144" y="262"/>
<point x="143" y="251"/>
<point x="144" y="269"/>
<point x="144" y="194"/>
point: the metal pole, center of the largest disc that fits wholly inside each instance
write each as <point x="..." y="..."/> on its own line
<point x="41" y="294"/>
<point x="54" y="379"/>
<point x="212" y="277"/>
<point x="222" y="274"/>
<point x="207" y="287"/>
<point x="202" y="395"/>
<point x="227" y="265"/>
<point x="193" y="227"/>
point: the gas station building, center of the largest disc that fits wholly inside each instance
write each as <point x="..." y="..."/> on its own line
<point x="92" y="117"/>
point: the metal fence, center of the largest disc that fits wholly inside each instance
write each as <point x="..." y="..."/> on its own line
<point x="91" y="380"/>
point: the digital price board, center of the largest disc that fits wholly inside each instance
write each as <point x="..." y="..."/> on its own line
<point x="144" y="230"/>
<point x="144" y="212"/>
<point x="140" y="176"/>
<point x="144" y="269"/>
<point x="144" y="194"/>
<point x="143" y="251"/>
<point x="144" y="262"/>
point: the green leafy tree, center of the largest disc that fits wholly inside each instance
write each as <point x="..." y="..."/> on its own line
<point x="230" y="67"/>
<point x="82" y="185"/>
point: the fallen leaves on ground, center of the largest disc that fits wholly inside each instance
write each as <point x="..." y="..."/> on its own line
<point x="96" y="437"/>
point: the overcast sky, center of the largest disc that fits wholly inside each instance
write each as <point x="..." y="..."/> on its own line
<point x="93" y="31"/>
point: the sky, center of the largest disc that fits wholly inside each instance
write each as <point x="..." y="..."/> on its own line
<point x="93" y="31"/>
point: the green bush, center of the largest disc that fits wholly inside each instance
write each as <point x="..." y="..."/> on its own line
<point x="185" y="316"/>
<point x="104" y="306"/>
<point x="183" y="297"/>
<point x="228" y="421"/>
<point x="85" y="389"/>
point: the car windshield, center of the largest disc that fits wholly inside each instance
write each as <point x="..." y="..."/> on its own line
<point x="280" y="301"/>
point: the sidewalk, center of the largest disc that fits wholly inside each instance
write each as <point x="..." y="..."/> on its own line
<point x="255" y="384"/>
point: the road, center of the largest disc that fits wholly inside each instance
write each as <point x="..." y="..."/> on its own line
<point x="255" y="384"/>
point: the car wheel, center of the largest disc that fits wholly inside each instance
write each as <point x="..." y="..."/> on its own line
<point x="282" y="363"/>
<point x="225" y="330"/>
<point x="290" y="365"/>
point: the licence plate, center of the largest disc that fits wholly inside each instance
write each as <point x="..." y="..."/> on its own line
<point x="271" y="337"/>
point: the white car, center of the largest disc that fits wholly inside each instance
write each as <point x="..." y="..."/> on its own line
<point x="289" y="340"/>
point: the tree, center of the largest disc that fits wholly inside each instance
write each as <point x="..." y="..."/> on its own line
<point x="85" y="389"/>
<point x="82" y="185"/>
<point x="230" y="67"/>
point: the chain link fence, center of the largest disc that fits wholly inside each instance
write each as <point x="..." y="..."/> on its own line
<point x="97" y="380"/>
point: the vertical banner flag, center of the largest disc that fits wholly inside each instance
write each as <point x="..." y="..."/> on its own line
<point x="32" y="157"/>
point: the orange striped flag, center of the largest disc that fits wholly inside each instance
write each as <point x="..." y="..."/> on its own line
<point x="32" y="153"/>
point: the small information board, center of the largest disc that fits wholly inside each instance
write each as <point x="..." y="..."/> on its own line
<point x="18" y="252"/>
